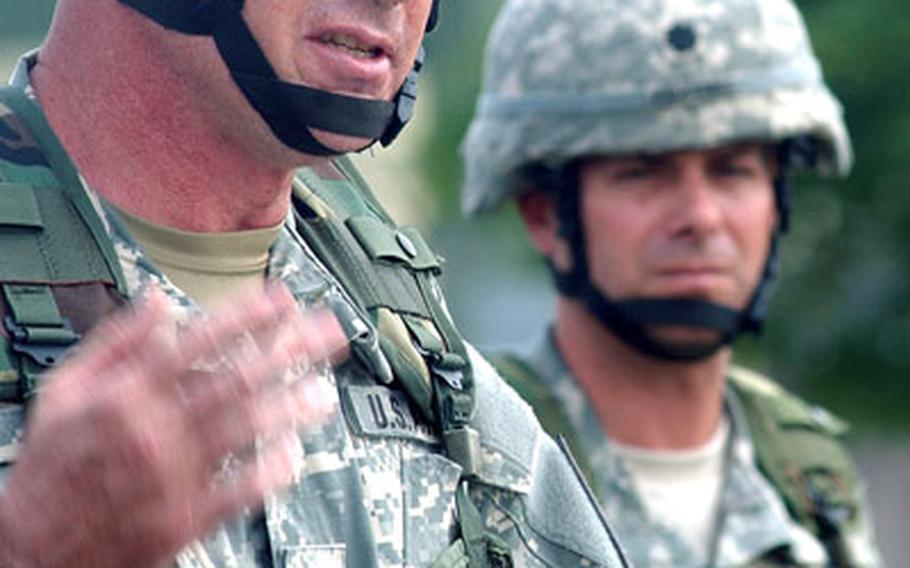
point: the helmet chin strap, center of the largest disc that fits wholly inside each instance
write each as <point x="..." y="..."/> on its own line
<point x="289" y="109"/>
<point x="632" y="320"/>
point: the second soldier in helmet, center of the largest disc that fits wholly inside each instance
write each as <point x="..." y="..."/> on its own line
<point x="648" y="146"/>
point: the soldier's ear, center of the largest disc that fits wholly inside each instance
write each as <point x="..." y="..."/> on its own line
<point x="538" y="212"/>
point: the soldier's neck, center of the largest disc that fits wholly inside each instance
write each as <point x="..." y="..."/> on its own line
<point x="140" y="137"/>
<point x="641" y="401"/>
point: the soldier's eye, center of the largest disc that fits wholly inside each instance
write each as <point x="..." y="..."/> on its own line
<point x="634" y="171"/>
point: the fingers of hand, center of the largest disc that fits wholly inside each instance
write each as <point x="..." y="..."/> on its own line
<point x="260" y="365"/>
<point x="259" y="384"/>
<point x="215" y="334"/>
<point x="227" y="422"/>
<point x="317" y="336"/>
<point x="117" y="338"/>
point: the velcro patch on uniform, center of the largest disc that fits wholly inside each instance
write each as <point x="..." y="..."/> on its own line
<point x="18" y="206"/>
<point x="383" y="412"/>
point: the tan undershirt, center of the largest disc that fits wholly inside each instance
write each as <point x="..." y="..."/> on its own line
<point x="206" y="266"/>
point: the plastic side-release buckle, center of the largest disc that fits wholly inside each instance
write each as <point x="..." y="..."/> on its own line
<point x="45" y="345"/>
<point x="450" y="368"/>
<point x="35" y="325"/>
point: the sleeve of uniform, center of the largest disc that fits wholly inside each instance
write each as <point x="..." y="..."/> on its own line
<point x="529" y="493"/>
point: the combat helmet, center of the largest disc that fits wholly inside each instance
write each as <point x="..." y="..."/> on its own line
<point x="568" y="79"/>
<point x="289" y="109"/>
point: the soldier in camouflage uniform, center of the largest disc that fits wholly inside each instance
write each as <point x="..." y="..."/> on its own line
<point x="203" y="428"/>
<point x="648" y="147"/>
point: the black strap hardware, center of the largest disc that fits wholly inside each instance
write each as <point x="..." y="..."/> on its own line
<point x="44" y="344"/>
<point x="34" y="324"/>
<point x="449" y="367"/>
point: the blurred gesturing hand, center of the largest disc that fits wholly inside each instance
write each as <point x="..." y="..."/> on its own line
<point x="125" y="439"/>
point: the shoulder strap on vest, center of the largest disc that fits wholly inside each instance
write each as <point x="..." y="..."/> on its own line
<point x="391" y="274"/>
<point x="527" y="382"/>
<point x="59" y="273"/>
<point x="800" y="449"/>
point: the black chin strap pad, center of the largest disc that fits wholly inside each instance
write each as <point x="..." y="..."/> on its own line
<point x="433" y="20"/>
<point x="290" y="110"/>
<point x="681" y="311"/>
<point x="287" y="108"/>
<point x="364" y="118"/>
<point x="630" y="321"/>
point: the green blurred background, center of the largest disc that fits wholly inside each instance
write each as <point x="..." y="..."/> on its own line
<point x="840" y="326"/>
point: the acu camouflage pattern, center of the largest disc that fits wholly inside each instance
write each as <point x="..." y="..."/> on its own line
<point x="756" y="529"/>
<point x="373" y="486"/>
<point x="569" y="78"/>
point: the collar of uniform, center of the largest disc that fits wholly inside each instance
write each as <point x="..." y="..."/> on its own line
<point x="756" y="520"/>
<point x="293" y="261"/>
<point x="549" y="364"/>
<point x="756" y="517"/>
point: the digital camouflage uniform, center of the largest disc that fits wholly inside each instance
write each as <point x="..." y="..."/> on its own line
<point x="373" y="486"/>
<point x="755" y="523"/>
<point x="566" y="80"/>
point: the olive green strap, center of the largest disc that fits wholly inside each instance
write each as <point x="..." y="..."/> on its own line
<point x="799" y="449"/>
<point x="38" y="334"/>
<point x="347" y="167"/>
<point x="389" y="272"/>
<point x="51" y="237"/>
<point x="454" y="556"/>
<point x="455" y="393"/>
<point x="475" y="547"/>
<point x="69" y="183"/>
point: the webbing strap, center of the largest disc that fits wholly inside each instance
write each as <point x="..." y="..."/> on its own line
<point x="54" y="245"/>
<point x="455" y="556"/>
<point x="799" y="450"/>
<point x="390" y="273"/>
<point x="68" y="179"/>
<point x="483" y="549"/>
<point x="454" y="387"/>
<point x="38" y="333"/>
<point x="472" y="532"/>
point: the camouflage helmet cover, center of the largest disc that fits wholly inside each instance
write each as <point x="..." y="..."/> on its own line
<point x="569" y="78"/>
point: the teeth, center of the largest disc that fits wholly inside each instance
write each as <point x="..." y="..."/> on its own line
<point x="351" y="45"/>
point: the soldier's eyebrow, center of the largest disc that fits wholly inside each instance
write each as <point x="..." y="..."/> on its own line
<point x="736" y="153"/>
<point x="650" y="160"/>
